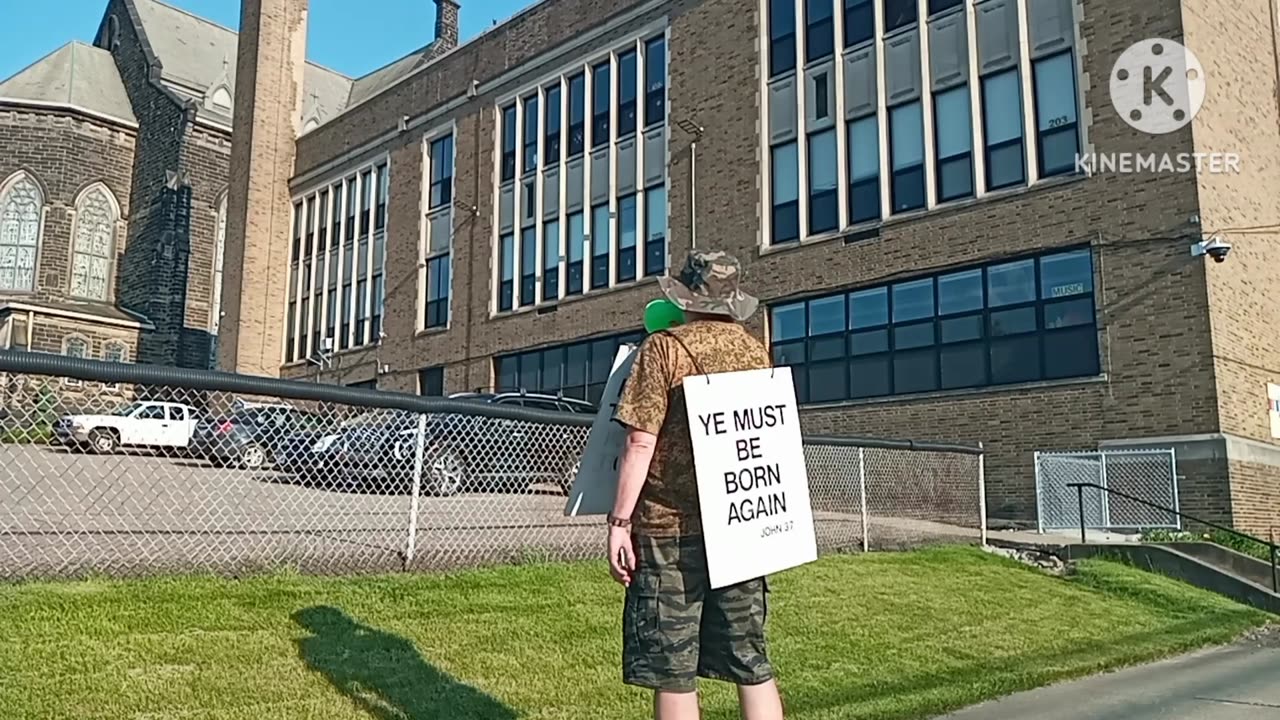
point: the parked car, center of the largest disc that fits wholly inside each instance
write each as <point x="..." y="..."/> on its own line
<point x="142" y="424"/>
<point x="460" y="451"/>
<point x="252" y="436"/>
<point x="470" y="452"/>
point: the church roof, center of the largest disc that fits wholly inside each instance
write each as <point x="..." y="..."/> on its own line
<point x="75" y="76"/>
<point x="198" y="60"/>
<point x="384" y="77"/>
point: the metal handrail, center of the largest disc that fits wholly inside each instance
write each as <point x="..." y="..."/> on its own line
<point x="1271" y="545"/>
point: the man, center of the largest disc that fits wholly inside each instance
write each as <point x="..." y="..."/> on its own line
<point x="675" y="627"/>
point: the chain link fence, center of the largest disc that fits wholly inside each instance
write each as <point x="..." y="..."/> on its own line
<point x="133" y="469"/>
<point x="1148" y="474"/>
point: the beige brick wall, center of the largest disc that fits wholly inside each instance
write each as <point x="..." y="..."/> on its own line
<point x="268" y="100"/>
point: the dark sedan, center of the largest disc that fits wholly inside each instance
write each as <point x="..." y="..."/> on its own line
<point x="253" y="438"/>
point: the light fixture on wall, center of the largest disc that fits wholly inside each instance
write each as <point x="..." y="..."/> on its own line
<point x="696" y="130"/>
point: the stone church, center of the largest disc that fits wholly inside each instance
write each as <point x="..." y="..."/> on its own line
<point x="114" y="174"/>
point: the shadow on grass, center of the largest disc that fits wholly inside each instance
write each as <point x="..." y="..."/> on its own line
<point x="384" y="674"/>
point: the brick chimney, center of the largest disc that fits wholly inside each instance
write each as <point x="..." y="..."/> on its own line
<point x="446" y="25"/>
<point x="268" y="111"/>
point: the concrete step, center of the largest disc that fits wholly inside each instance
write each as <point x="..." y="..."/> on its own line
<point x="1190" y="569"/>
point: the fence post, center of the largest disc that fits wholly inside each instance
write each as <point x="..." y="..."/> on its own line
<point x="982" y="492"/>
<point x="1104" y="497"/>
<point x="1035" y="458"/>
<point x="419" y="443"/>
<point x="1173" y="471"/>
<point x="862" y="499"/>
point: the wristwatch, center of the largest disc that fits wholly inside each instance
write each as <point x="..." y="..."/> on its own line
<point x="618" y="522"/>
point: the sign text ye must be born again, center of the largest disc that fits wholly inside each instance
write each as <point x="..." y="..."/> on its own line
<point x="754" y="475"/>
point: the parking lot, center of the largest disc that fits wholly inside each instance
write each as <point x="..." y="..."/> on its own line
<point x="65" y="513"/>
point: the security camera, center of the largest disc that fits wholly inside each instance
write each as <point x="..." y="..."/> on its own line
<point x="1215" y="247"/>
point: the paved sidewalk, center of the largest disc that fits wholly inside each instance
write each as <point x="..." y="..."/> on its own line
<point x="1240" y="682"/>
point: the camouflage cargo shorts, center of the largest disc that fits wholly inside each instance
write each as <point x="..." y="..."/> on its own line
<point x="675" y="628"/>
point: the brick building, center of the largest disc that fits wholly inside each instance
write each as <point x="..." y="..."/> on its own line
<point x="114" y="162"/>
<point x="899" y="178"/>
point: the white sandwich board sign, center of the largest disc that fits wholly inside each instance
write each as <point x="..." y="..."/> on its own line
<point x="753" y="484"/>
<point x="596" y="484"/>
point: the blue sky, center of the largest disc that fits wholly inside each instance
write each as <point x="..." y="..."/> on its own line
<point x="350" y="37"/>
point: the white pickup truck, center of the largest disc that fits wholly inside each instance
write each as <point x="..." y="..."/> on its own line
<point x="139" y="424"/>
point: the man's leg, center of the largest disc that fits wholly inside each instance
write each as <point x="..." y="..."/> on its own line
<point x="661" y="620"/>
<point x="733" y="647"/>
<point x="669" y="705"/>
<point x="761" y="701"/>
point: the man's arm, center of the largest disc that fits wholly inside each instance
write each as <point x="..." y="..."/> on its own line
<point x="633" y="470"/>
<point x="642" y="408"/>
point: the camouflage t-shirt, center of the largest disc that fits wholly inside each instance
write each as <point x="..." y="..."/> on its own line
<point x="653" y="401"/>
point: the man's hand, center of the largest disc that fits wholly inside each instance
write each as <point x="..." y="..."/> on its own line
<point x="622" y="555"/>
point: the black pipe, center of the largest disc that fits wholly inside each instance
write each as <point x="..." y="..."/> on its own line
<point x="32" y="363"/>
<point x="1080" y="504"/>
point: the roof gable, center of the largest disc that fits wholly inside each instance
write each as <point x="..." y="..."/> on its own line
<point x="75" y="76"/>
<point x="198" y="61"/>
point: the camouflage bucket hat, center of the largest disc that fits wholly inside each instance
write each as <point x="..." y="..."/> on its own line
<point x="709" y="284"/>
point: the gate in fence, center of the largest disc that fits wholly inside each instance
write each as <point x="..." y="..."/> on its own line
<point x="1149" y="474"/>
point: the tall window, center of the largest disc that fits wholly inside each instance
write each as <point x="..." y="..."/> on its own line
<point x="577" y="114"/>
<point x="528" y="266"/>
<point x="819" y="41"/>
<point x="655" y="225"/>
<point x="859" y="22"/>
<point x="508" y="143"/>
<point x="864" y="170"/>
<point x="576" y="250"/>
<point x="352" y="183"/>
<point x="655" y="79"/>
<point x="530" y="157"/>
<point x="21" y="211"/>
<point x="1058" y="140"/>
<point x="384" y="190"/>
<point x="93" y="249"/>
<point x="786" y="194"/>
<point x="627" y="94"/>
<point x="600" y="247"/>
<point x="626" y="239"/>
<point x="899" y="13"/>
<point x="439" y="225"/>
<point x="551" y="261"/>
<point x="782" y="37"/>
<point x="507" y="269"/>
<point x="954" y="136"/>
<point x="1002" y="120"/>
<point x="906" y="148"/>
<point x="551" y="124"/>
<point x="600" y="104"/>
<point x="366" y="202"/>
<point x="824" y="203"/>
<point x="576" y="370"/>
<point x="1018" y="321"/>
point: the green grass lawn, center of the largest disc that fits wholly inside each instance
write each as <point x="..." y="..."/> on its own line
<point x="893" y="635"/>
